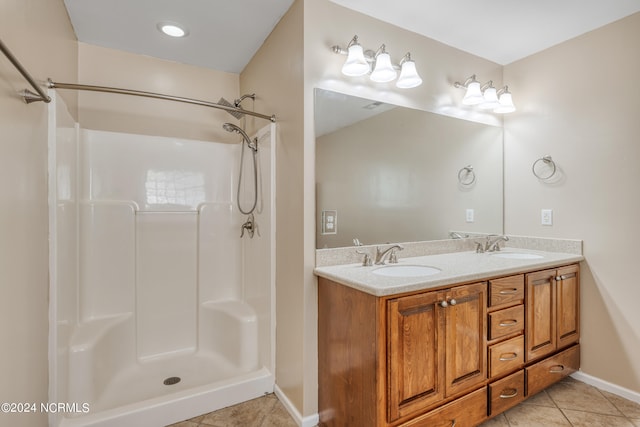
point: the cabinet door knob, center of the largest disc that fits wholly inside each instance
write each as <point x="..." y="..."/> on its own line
<point x="444" y="304"/>
<point x="453" y="301"/>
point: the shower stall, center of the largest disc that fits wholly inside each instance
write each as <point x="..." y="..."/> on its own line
<point x="159" y="310"/>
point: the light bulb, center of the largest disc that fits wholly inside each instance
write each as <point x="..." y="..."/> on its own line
<point x="383" y="71"/>
<point x="490" y="99"/>
<point x="408" y="76"/>
<point x="473" y="96"/>
<point x="506" y="104"/>
<point x="172" y="29"/>
<point x="356" y="64"/>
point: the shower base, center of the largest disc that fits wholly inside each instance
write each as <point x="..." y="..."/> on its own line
<point x="206" y="384"/>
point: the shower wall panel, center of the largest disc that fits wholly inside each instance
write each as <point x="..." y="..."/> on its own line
<point x="107" y="259"/>
<point x="166" y="282"/>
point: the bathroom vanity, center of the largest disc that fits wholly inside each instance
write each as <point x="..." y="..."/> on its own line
<point x="450" y="349"/>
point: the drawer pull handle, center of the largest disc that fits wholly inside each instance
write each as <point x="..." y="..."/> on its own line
<point x="503" y="357"/>
<point x="508" y="291"/>
<point x="453" y="423"/>
<point x="508" y="393"/>
<point x="556" y="369"/>
<point x="506" y="323"/>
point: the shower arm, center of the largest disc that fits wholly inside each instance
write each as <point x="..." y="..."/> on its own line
<point x="72" y="86"/>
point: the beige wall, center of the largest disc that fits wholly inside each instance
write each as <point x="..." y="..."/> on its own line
<point x="122" y="113"/>
<point x="39" y="34"/>
<point x="275" y="75"/>
<point x="578" y="102"/>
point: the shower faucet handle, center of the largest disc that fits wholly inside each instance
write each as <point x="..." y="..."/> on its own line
<point x="250" y="226"/>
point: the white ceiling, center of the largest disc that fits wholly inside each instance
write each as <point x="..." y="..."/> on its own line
<point x="502" y="31"/>
<point x="225" y="34"/>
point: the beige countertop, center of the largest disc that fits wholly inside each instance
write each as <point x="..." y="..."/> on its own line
<point x="455" y="268"/>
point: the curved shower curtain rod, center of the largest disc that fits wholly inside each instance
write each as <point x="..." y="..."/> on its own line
<point x="30" y="96"/>
<point x="231" y="109"/>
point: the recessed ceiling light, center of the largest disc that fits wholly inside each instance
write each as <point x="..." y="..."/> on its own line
<point x="172" y="29"/>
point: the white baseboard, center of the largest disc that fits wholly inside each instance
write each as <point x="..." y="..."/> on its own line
<point x="308" y="421"/>
<point x="607" y="386"/>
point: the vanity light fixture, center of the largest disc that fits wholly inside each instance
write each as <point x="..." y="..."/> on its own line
<point x="506" y="101"/>
<point x="383" y="71"/>
<point x="486" y="97"/>
<point x="473" y="95"/>
<point x="408" y="74"/>
<point x="359" y="62"/>
<point x="356" y="64"/>
<point x="490" y="97"/>
<point x="172" y="29"/>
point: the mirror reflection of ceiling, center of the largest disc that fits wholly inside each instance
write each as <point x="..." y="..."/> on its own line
<point x="335" y="111"/>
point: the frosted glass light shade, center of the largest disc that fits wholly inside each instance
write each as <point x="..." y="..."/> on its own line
<point x="356" y="64"/>
<point x="506" y="104"/>
<point x="490" y="99"/>
<point x="408" y="76"/>
<point x="474" y="94"/>
<point x="383" y="71"/>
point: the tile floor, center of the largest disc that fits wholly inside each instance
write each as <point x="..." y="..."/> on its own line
<point x="568" y="403"/>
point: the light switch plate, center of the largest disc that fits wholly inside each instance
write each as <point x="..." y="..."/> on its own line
<point x="546" y="217"/>
<point x="470" y="215"/>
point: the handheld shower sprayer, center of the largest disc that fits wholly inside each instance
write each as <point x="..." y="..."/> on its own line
<point x="253" y="145"/>
<point x="230" y="127"/>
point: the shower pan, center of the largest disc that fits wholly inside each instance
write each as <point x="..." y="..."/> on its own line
<point x="159" y="310"/>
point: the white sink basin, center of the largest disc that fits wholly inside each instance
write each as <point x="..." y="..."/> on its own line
<point x="516" y="255"/>
<point x="406" y="271"/>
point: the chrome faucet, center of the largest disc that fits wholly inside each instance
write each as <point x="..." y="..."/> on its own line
<point x="492" y="245"/>
<point x="381" y="255"/>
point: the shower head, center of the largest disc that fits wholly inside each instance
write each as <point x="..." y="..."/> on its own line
<point x="238" y="115"/>
<point x="230" y="127"/>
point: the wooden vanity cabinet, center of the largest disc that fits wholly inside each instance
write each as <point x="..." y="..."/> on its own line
<point x="553" y="310"/>
<point x="436" y="346"/>
<point x="453" y="356"/>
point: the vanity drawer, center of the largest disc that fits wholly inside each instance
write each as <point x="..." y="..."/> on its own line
<point x="506" y="290"/>
<point x="506" y="356"/>
<point x="468" y="411"/>
<point x="506" y="322"/>
<point x="552" y="369"/>
<point x="506" y="393"/>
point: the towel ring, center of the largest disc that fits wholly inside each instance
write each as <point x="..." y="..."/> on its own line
<point x="549" y="162"/>
<point x="466" y="175"/>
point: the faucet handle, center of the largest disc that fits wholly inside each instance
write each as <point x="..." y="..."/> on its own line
<point x="366" y="261"/>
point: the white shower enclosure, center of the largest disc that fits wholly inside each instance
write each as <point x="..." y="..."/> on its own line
<point x="159" y="310"/>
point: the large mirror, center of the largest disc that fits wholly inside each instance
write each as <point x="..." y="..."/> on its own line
<point x="386" y="173"/>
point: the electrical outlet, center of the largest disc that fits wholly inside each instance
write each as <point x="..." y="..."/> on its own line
<point x="470" y="215"/>
<point x="330" y="222"/>
<point x="546" y="217"/>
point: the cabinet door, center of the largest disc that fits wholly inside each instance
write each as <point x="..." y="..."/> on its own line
<point x="466" y="337"/>
<point x="540" y="328"/>
<point x="568" y="305"/>
<point x="415" y="353"/>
